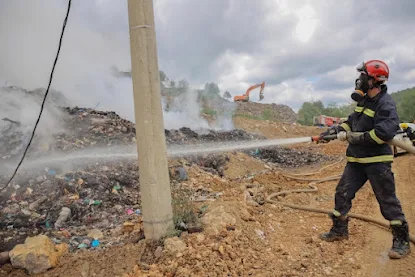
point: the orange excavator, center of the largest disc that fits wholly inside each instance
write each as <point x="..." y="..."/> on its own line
<point x="245" y="97"/>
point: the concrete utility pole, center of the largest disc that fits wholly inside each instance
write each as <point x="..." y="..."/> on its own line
<point x="151" y="142"/>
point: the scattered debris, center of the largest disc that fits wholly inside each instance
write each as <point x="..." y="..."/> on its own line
<point x="63" y="216"/>
<point x="286" y="157"/>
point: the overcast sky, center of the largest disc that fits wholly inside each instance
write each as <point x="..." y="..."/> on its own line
<point x="303" y="50"/>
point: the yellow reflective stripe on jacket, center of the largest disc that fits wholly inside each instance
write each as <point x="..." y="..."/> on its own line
<point x="375" y="137"/>
<point x="345" y="126"/>
<point x="368" y="112"/>
<point x="358" y="109"/>
<point x="375" y="159"/>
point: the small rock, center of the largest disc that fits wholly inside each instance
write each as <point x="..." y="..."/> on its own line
<point x="37" y="254"/>
<point x="200" y="237"/>
<point x="328" y="270"/>
<point x="95" y="234"/>
<point x="4" y="258"/>
<point x="118" y="208"/>
<point x="128" y="227"/>
<point x="174" y="245"/>
<point x="158" y="252"/>
<point x="260" y="233"/>
<point x="144" y="266"/>
<point x="340" y="251"/>
<point x="117" y="231"/>
<point x="221" y="250"/>
<point x="217" y="219"/>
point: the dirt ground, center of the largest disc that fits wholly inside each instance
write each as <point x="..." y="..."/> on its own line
<point x="379" y="265"/>
<point x="248" y="237"/>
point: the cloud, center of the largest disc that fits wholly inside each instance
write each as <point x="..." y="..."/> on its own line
<point x="302" y="49"/>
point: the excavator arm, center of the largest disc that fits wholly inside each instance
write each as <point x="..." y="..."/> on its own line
<point x="245" y="97"/>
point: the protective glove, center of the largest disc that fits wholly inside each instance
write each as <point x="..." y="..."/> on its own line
<point x="355" y="138"/>
<point x="342" y="136"/>
<point x="410" y="132"/>
<point x="350" y="137"/>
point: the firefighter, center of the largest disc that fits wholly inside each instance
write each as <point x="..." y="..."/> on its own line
<point x="369" y="157"/>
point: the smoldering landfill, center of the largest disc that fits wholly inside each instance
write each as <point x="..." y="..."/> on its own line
<point x="66" y="201"/>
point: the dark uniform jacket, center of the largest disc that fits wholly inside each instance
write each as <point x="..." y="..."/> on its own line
<point x="378" y="119"/>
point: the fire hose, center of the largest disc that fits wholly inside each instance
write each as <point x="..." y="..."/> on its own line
<point x="313" y="188"/>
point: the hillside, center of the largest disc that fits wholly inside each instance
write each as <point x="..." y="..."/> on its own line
<point x="405" y="103"/>
<point x="215" y="105"/>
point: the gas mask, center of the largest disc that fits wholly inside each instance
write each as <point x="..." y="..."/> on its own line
<point x="361" y="87"/>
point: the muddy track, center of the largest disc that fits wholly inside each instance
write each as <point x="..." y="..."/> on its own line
<point x="379" y="264"/>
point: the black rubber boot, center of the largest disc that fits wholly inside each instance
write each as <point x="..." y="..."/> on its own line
<point x="400" y="247"/>
<point x="339" y="231"/>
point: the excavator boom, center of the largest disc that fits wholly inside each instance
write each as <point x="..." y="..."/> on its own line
<point x="245" y="97"/>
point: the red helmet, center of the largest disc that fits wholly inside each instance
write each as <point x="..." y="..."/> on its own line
<point x="376" y="69"/>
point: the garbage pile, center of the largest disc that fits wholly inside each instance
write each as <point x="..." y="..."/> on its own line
<point x="85" y="128"/>
<point x="187" y="136"/>
<point x="103" y="195"/>
<point x="286" y="157"/>
<point x="67" y="206"/>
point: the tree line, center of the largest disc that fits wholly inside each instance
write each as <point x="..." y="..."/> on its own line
<point x="172" y="87"/>
<point x="404" y="99"/>
<point x="169" y="86"/>
<point x="405" y="104"/>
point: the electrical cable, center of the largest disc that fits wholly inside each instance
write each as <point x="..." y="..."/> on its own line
<point x="44" y="98"/>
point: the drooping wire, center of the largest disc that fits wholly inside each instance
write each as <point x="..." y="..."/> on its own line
<point x="44" y="98"/>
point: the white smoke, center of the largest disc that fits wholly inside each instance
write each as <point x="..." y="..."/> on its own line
<point x="19" y="110"/>
<point x="184" y="111"/>
<point x="92" y="45"/>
